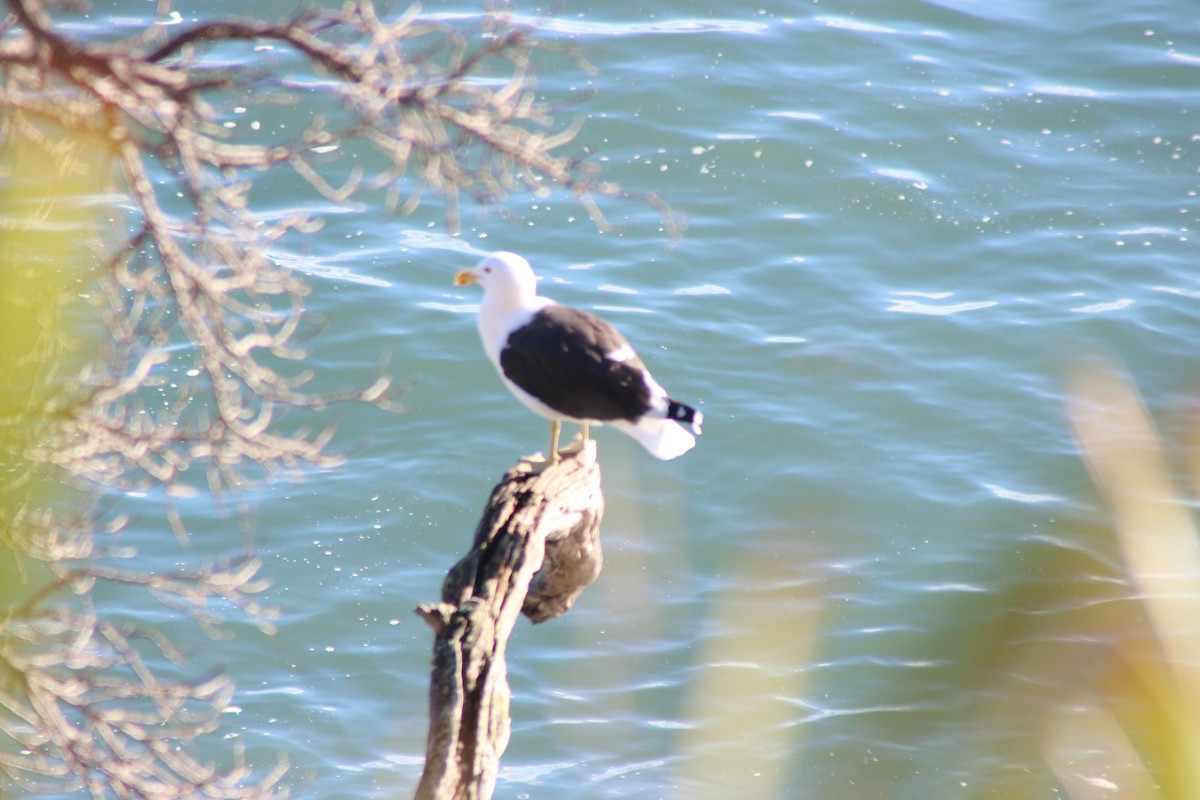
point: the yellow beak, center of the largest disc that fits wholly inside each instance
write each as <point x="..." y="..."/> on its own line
<point x="464" y="278"/>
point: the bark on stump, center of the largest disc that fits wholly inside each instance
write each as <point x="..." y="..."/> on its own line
<point x="536" y="547"/>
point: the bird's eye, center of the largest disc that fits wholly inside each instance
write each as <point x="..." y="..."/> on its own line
<point x="487" y="269"/>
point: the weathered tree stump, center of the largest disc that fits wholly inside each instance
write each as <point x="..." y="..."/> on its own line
<point x="536" y="548"/>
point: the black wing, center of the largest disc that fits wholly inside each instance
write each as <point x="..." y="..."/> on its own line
<point x="560" y="357"/>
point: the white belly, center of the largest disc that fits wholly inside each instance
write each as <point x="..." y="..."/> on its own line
<point x="537" y="406"/>
<point x="494" y="327"/>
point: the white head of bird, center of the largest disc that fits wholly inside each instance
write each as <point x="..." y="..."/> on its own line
<point x="510" y="297"/>
<point x="506" y="278"/>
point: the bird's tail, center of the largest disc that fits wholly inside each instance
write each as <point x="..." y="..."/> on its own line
<point x="684" y="413"/>
<point x="663" y="436"/>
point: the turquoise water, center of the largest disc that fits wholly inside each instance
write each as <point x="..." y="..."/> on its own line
<point x="885" y="566"/>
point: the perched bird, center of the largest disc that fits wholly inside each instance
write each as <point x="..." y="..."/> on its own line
<point x="568" y="364"/>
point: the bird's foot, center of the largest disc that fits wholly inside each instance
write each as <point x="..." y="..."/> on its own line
<point x="577" y="444"/>
<point x="537" y="463"/>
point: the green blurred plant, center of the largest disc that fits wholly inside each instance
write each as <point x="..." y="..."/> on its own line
<point x="1150" y="730"/>
<point x="1083" y="681"/>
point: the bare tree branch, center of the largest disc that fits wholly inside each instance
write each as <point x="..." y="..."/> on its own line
<point x="200" y="384"/>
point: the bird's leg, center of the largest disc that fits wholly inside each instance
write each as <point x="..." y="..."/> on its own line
<point x="555" y="428"/>
<point x="579" y="444"/>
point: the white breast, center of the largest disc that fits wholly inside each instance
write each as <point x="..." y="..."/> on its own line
<point x="496" y="323"/>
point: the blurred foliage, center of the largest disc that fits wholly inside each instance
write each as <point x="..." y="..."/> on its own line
<point x="1147" y="725"/>
<point x="759" y="633"/>
<point x="44" y="258"/>
<point x="1082" y="681"/>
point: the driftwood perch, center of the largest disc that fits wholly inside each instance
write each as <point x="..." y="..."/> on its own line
<point x="536" y="548"/>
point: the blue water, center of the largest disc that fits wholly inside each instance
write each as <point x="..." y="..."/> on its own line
<point x="885" y="565"/>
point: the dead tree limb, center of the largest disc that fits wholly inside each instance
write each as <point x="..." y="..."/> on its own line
<point x="536" y="548"/>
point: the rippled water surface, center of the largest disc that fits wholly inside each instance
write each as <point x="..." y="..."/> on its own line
<point x="909" y="223"/>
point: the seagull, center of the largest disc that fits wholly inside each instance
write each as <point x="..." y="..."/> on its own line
<point x="567" y="364"/>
